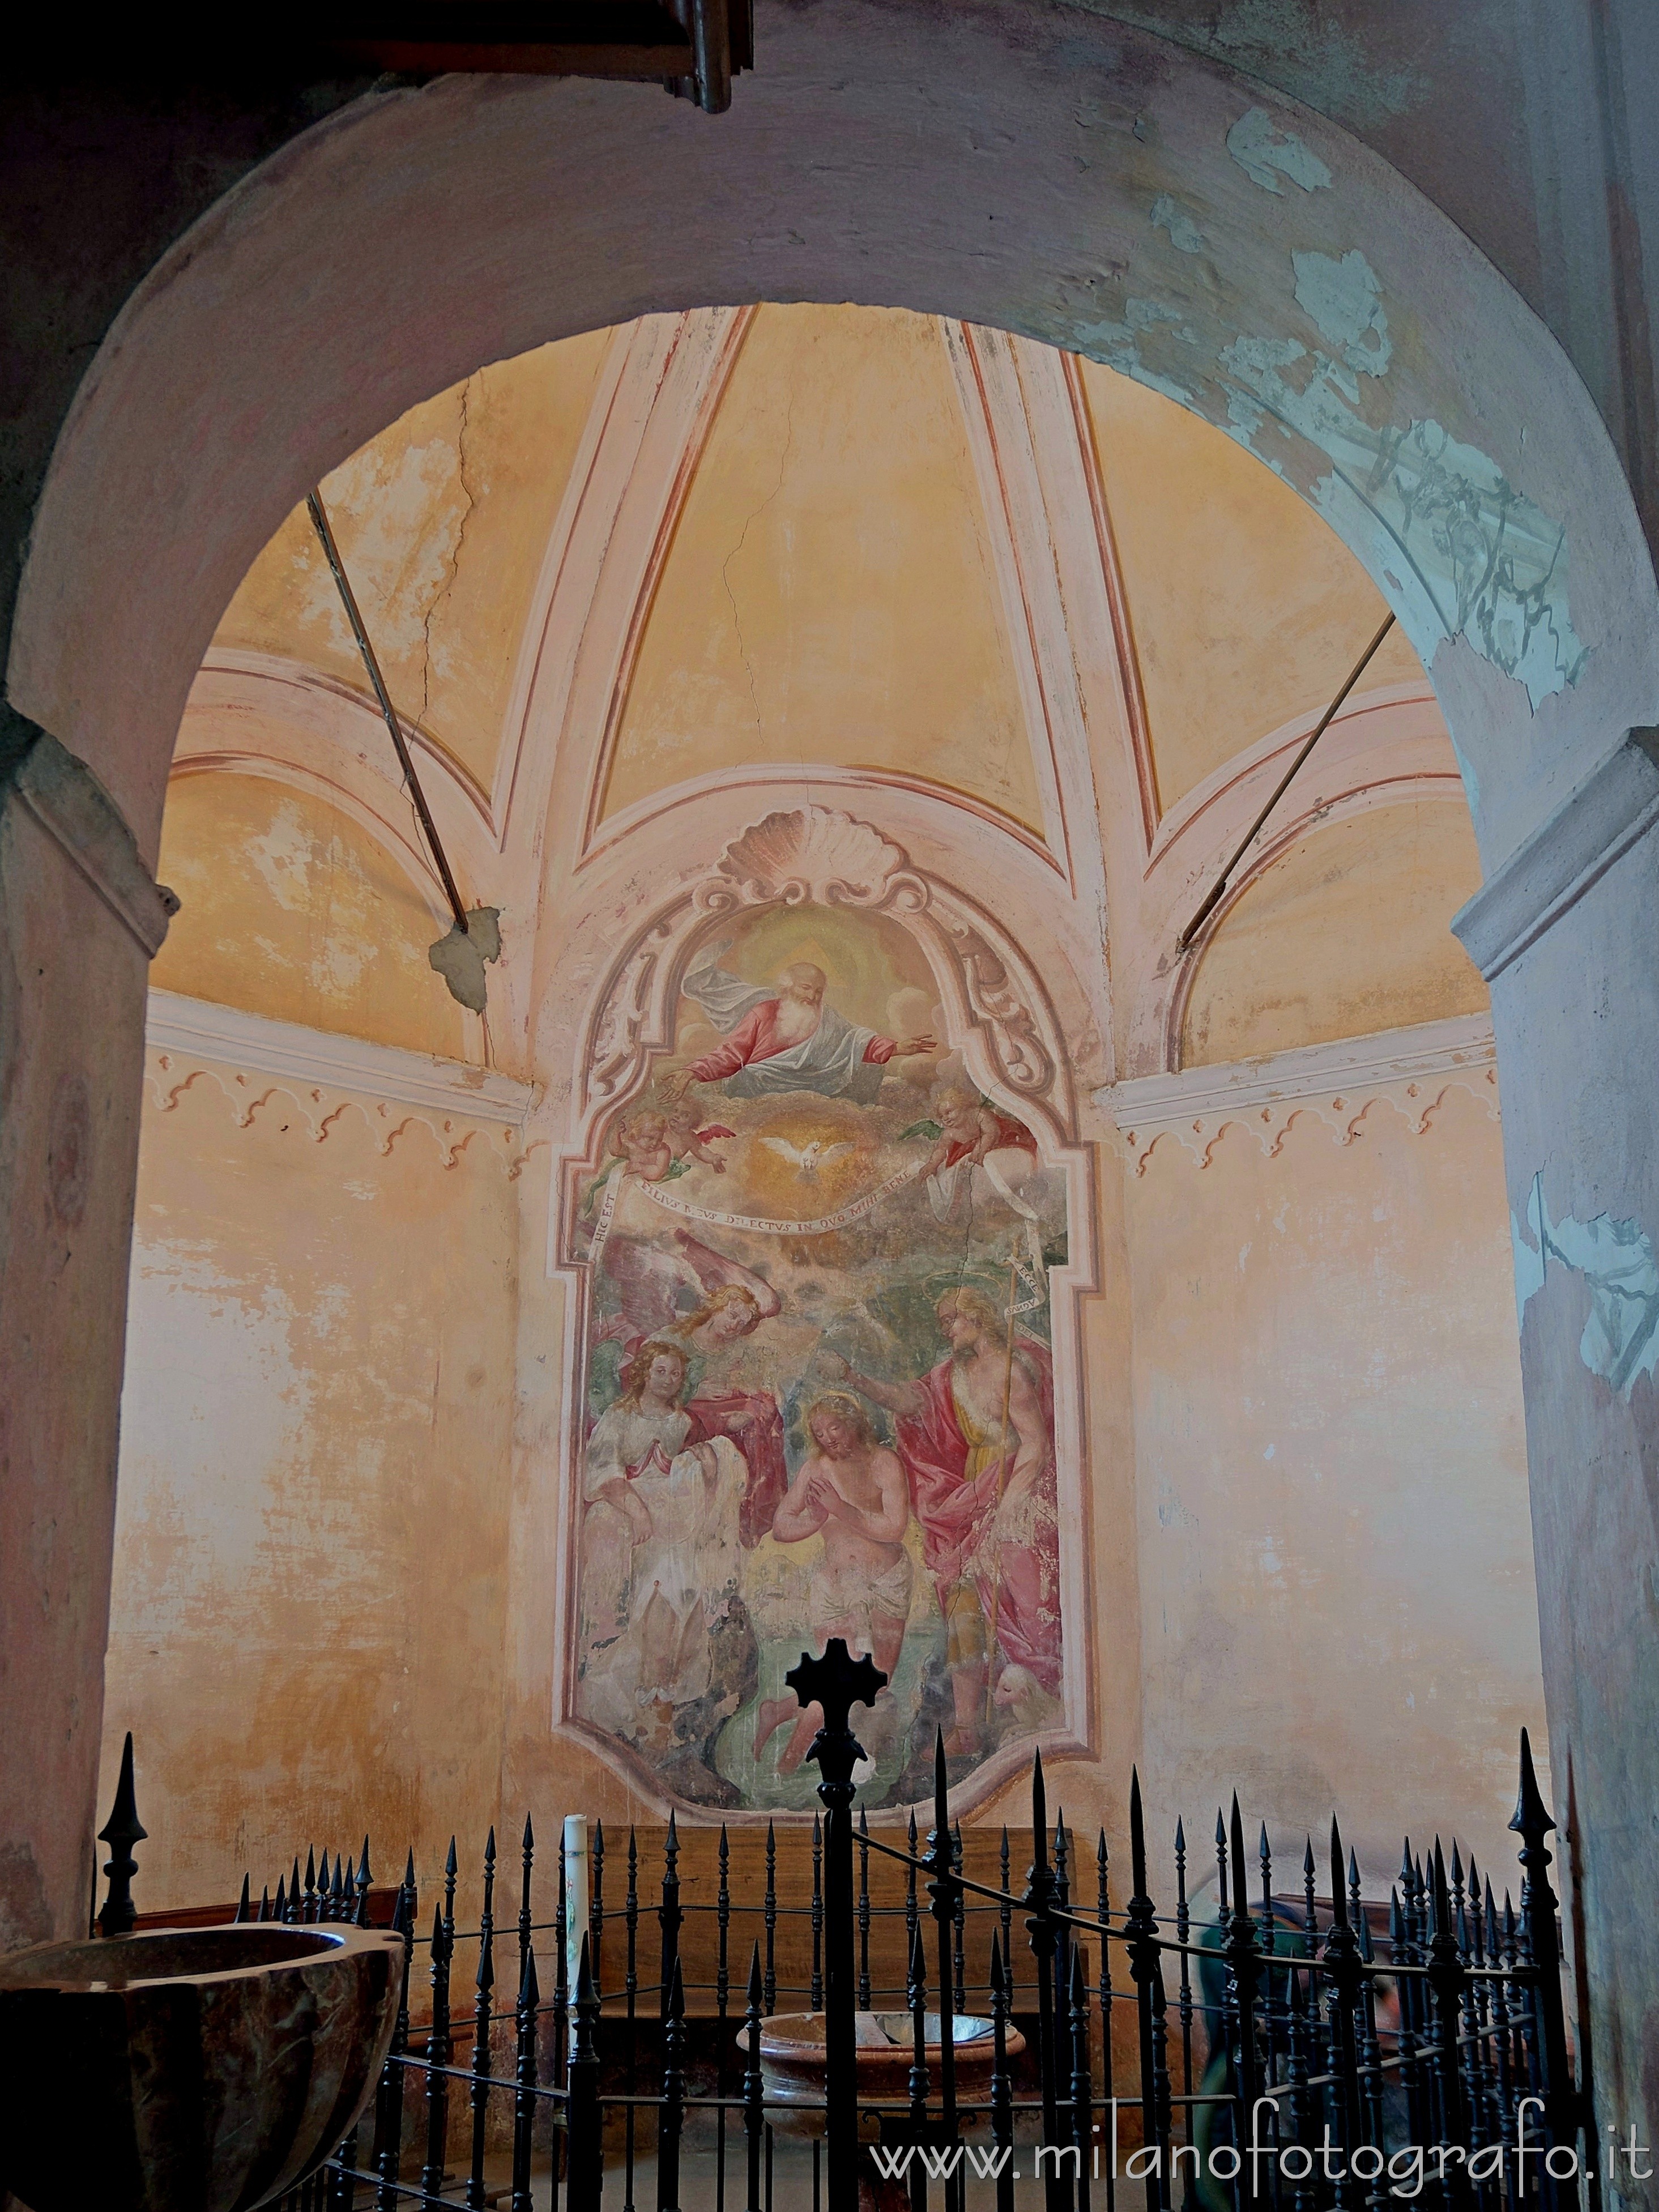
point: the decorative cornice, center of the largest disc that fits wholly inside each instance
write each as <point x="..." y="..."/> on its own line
<point x="250" y="1057"/>
<point x="1612" y="809"/>
<point x="62" y="795"/>
<point x="1411" y="1070"/>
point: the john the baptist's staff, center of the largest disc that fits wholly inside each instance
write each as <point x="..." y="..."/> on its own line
<point x="1002" y="1484"/>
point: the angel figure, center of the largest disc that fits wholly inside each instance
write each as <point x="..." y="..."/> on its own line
<point x="969" y="1134"/>
<point x="685" y="1293"/>
<point x="808" y="1158"/>
<point x="656" y="1146"/>
<point x="686" y="1141"/>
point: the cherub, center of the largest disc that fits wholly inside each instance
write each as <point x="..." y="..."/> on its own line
<point x="971" y="1137"/>
<point x="968" y="1128"/>
<point x="642" y="1140"/>
<point x="688" y="1142"/>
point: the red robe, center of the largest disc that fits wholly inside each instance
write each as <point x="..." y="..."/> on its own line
<point x="755" y="1037"/>
<point x="1010" y="1136"/>
<point x="954" y="1514"/>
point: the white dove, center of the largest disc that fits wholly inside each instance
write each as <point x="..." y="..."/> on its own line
<point x="808" y="1158"/>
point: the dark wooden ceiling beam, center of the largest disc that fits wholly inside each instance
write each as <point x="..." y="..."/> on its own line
<point x="694" y="47"/>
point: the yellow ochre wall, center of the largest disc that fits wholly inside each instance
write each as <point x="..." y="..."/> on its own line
<point x="306" y="1637"/>
<point x="338" y="1553"/>
<point x="1336" y="1576"/>
<point x="829" y="597"/>
<point x="289" y="908"/>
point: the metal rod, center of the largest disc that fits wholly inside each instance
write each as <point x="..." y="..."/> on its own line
<point x="1283" y="784"/>
<point x="342" y="582"/>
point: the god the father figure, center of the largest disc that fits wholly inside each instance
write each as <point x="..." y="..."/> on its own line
<point x="786" y="1038"/>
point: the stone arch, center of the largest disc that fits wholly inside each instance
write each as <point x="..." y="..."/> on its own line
<point x="1073" y="180"/>
<point x="1057" y="174"/>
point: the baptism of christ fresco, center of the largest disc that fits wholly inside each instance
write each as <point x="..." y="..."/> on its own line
<point x="820" y="1396"/>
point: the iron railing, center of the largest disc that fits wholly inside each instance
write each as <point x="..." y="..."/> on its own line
<point x="1242" y="2047"/>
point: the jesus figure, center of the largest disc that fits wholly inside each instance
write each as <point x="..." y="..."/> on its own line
<point x="786" y="1039"/>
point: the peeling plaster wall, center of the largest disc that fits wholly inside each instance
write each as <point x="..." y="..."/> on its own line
<point x="441" y="521"/>
<point x="308" y="1615"/>
<point x="1338" y="1601"/>
<point x="1582" y="1004"/>
<point x="292" y="910"/>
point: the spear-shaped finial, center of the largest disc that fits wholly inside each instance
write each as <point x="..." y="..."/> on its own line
<point x="1439" y="1898"/>
<point x="1338" y="1894"/>
<point x="121" y="1831"/>
<point x="1137" y="1835"/>
<point x="245" y="1905"/>
<point x="1532" y="1819"/>
<point x="1235" y="1840"/>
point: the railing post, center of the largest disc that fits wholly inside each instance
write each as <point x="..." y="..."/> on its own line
<point x="915" y="1994"/>
<point x="437" y="2058"/>
<point x="1081" y="2084"/>
<point x="1445" y="1979"/>
<point x="1243" y="1973"/>
<point x="941" y="1891"/>
<point x="1531" y="1823"/>
<point x="484" y="1984"/>
<point x="1039" y="1899"/>
<point x="835" y="1683"/>
<point x="1346" y="1973"/>
<point x="389" y="2118"/>
<point x="523" y="2074"/>
<point x="754" y="2106"/>
<point x="121" y="1831"/>
<point x="669" y="1915"/>
<point x="1140" y="1927"/>
<point x="584" y="2176"/>
<point x="672" y="2116"/>
<point x="1002" y="2088"/>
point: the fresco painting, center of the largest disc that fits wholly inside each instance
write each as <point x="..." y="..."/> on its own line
<point x="820" y="1393"/>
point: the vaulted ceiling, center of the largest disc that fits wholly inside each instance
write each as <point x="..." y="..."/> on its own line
<point x="734" y="547"/>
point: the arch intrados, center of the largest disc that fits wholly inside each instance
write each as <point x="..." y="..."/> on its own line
<point x="990" y="166"/>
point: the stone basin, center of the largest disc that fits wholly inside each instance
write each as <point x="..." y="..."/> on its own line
<point x="791" y="2062"/>
<point x="189" y="2069"/>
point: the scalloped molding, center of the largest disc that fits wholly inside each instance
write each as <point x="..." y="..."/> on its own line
<point x="817" y="854"/>
<point x="1339" y="1084"/>
<point x="252" y="1059"/>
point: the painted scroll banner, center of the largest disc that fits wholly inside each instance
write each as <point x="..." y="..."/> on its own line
<point x="855" y="1210"/>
